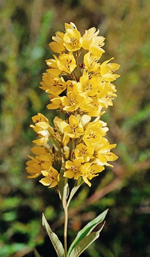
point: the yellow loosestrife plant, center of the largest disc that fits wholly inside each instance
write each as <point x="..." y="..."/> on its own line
<point x="74" y="148"/>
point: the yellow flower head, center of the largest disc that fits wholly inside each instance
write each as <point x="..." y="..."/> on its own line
<point x="79" y="87"/>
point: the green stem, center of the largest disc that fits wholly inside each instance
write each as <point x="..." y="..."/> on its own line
<point x="65" y="228"/>
<point x="71" y="147"/>
<point x="77" y="61"/>
<point x="65" y="207"/>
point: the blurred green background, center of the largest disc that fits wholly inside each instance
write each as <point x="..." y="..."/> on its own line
<point x="26" y="28"/>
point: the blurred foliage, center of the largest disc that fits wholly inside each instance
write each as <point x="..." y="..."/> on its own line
<point x="26" y="28"/>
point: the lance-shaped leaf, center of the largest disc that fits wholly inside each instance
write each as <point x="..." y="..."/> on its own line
<point x="72" y="193"/>
<point x="85" y="243"/>
<point x="54" y="238"/>
<point x="87" y="230"/>
<point x="36" y="253"/>
<point x="74" y="190"/>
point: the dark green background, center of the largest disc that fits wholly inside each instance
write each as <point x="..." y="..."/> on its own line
<point x="26" y="28"/>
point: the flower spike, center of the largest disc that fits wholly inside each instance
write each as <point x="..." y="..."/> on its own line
<point x="80" y="87"/>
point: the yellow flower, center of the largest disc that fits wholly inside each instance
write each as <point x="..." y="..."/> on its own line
<point x="87" y="38"/>
<point x="103" y="154"/>
<point x="55" y="103"/>
<point x="90" y="41"/>
<point x="74" y="129"/>
<point x="93" y="132"/>
<point x="95" y="47"/>
<point x="72" y="102"/>
<point x="91" y="62"/>
<point x="89" y="171"/>
<point x="33" y="167"/>
<point x="72" y="38"/>
<point x="94" y="108"/>
<point x="53" y="70"/>
<point x="52" y="86"/>
<point x="58" y="45"/>
<point x="74" y="97"/>
<point x="83" y="153"/>
<point x="74" y="87"/>
<point x="107" y="69"/>
<point x="39" y="118"/>
<point x="60" y="125"/>
<point x="106" y="94"/>
<point x="36" y="164"/>
<point x="51" y="177"/>
<point x="66" y="62"/>
<point x="90" y="85"/>
<point x="90" y="108"/>
<point x="42" y="128"/>
<point x="72" y="169"/>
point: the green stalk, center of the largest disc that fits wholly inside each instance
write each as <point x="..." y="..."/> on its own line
<point x="77" y="61"/>
<point x="64" y="196"/>
<point x="71" y="147"/>
<point x="65" y="228"/>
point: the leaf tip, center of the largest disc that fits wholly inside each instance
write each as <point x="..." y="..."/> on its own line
<point x="43" y="220"/>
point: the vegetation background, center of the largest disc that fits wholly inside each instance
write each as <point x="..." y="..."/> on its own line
<point x="26" y="28"/>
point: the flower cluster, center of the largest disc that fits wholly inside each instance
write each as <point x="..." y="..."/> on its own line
<point x="79" y="86"/>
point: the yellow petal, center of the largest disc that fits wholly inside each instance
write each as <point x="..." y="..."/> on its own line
<point x="69" y="174"/>
<point x="45" y="181"/>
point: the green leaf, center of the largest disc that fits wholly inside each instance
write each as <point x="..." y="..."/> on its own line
<point x="36" y="253"/>
<point x="87" y="230"/>
<point x="84" y="243"/>
<point x="53" y="237"/>
<point x="72" y="193"/>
